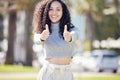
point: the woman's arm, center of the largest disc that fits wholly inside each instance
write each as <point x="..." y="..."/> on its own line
<point x="74" y="32"/>
<point x="43" y="36"/>
<point x="37" y="38"/>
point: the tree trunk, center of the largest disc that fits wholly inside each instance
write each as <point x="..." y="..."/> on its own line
<point x="11" y="37"/>
<point x="20" y="41"/>
<point x="90" y="29"/>
<point x="29" y="41"/>
<point x="117" y="6"/>
<point x="1" y="32"/>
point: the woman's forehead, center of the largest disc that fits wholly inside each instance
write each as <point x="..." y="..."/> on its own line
<point x="56" y="4"/>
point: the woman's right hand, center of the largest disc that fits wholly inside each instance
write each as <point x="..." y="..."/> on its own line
<point x="45" y="34"/>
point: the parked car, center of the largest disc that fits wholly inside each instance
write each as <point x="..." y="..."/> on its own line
<point x="101" y="60"/>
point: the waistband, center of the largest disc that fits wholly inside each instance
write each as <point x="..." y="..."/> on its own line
<point x="56" y="67"/>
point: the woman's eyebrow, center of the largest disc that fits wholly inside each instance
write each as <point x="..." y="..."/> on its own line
<point x="56" y="7"/>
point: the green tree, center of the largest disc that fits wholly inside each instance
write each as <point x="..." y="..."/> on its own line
<point x="100" y="26"/>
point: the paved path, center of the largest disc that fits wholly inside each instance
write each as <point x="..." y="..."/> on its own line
<point x="18" y="75"/>
<point x="34" y="75"/>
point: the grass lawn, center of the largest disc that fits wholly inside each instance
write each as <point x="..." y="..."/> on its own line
<point x="99" y="78"/>
<point x="16" y="68"/>
<point x="19" y="79"/>
<point x="82" y="78"/>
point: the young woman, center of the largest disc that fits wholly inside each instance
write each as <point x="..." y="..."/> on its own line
<point x="53" y="28"/>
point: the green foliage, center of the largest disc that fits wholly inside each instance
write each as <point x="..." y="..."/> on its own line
<point x="106" y="28"/>
<point x="99" y="6"/>
<point x="108" y="25"/>
<point x="105" y="25"/>
<point x="87" y="45"/>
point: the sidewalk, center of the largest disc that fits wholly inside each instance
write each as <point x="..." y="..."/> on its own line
<point x="34" y="75"/>
<point x="18" y="75"/>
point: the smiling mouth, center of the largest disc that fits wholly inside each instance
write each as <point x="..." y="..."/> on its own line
<point x="53" y="16"/>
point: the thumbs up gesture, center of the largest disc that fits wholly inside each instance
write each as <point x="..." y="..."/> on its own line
<point x="45" y="34"/>
<point x="66" y="34"/>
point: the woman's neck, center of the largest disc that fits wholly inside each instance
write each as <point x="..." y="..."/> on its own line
<point x="54" y="24"/>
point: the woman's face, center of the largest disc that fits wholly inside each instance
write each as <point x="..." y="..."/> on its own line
<point x="55" y="12"/>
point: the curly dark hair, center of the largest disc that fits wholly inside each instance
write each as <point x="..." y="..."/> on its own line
<point x="40" y="17"/>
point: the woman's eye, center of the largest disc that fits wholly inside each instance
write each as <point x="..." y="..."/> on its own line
<point x="50" y="9"/>
<point x="58" y="9"/>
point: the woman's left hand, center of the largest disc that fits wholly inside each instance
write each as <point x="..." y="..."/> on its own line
<point x="66" y="34"/>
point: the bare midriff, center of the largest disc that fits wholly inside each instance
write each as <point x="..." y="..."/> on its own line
<point x="60" y="61"/>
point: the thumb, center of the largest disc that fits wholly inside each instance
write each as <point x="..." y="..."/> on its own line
<point x="46" y="27"/>
<point x="65" y="28"/>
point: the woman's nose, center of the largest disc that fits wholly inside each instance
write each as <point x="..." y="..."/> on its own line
<point x="54" y="12"/>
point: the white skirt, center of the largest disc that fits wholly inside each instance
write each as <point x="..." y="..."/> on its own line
<point x="55" y="72"/>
